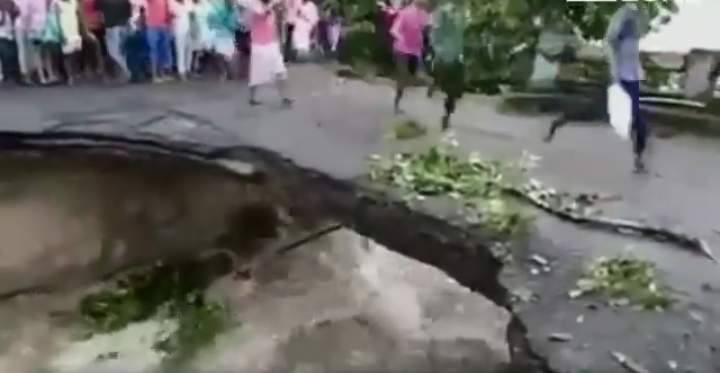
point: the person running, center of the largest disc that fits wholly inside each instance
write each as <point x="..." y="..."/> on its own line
<point x="70" y="22"/>
<point x="407" y="33"/>
<point x="116" y="15"/>
<point x="622" y="41"/>
<point x="447" y="67"/>
<point x="181" y="11"/>
<point x="266" y="59"/>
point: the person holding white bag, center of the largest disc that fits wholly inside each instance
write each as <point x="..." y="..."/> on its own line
<point x="622" y="47"/>
<point x="622" y="42"/>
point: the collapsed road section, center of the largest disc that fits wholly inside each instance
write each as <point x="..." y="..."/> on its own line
<point x="430" y="233"/>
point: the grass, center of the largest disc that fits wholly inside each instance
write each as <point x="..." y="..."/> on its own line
<point x="165" y="292"/>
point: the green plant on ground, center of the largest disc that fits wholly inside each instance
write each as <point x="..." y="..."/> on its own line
<point x="625" y="280"/>
<point x="164" y="292"/>
<point x="477" y="184"/>
<point x="408" y="129"/>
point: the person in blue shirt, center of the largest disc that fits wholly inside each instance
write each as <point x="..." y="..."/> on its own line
<point x="622" y="41"/>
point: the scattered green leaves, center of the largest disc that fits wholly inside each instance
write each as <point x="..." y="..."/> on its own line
<point x="625" y="280"/>
<point x="167" y="292"/>
<point x="408" y="129"/>
<point x="477" y="184"/>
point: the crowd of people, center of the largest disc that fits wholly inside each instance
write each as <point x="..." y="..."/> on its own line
<point x="47" y="42"/>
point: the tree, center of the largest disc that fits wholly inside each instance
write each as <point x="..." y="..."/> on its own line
<point x="502" y="33"/>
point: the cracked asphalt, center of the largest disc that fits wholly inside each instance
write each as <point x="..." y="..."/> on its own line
<point x="335" y="124"/>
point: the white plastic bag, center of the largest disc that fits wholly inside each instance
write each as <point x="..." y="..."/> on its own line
<point x="619" y="106"/>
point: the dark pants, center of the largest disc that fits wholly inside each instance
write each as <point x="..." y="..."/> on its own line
<point x="159" y="42"/>
<point x="288" y="50"/>
<point x="638" y="130"/>
<point x="138" y="56"/>
<point x="449" y="78"/>
<point x="9" y="60"/>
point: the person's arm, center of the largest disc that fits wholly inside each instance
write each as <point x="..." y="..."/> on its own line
<point x="397" y="26"/>
<point x="611" y="41"/>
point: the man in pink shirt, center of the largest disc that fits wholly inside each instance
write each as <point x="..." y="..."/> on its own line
<point x="157" y="33"/>
<point x="266" y="58"/>
<point x="408" y="32"/>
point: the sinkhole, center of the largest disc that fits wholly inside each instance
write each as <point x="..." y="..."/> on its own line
<point x="127" y="259"/>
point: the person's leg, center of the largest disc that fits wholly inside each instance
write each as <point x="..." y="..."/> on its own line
<point x="21" y="45"/>
<point x="114" y="40"/>
<point x="100" y="53"/>
<point x="12" y="67"/>
<point x="638" y="128"/>
<point x="68" y="64"/>
<point x="153" y="35"/>
<point x="452" y="83"/>
<point x="257" y="72"/>
<point x="5" y="58"/>
<point x="288" y="50"/>
<point x="405" y="66"/>
<point x="279" y="74"/>
<point x="181" y="60"/>
<point x="166" y="49"/>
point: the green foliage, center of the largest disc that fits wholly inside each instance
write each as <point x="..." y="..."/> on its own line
<point x="502" y="34"/>
<point x="625" y="280"/>
<point x="478" y="185"/>
<point x="164" y="292"/>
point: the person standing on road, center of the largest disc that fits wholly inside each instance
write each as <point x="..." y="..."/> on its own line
<point x="266" y="59"/>
<point x="223" y="24"/>
<point x="182" y="11"/>
<point x="306" y="20"/>
<point x="116" y="15"/>
<point x="407" y="32"/>
<point x="71" y="25"/>
<point x="92" y="61"/>
<point x="157" y="34"/>
<point x="622" y="42"/>
<point x="447" y="68"/>
<point x="8" y="51"/>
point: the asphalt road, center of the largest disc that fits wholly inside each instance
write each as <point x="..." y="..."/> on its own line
<point x="334" y="125"/>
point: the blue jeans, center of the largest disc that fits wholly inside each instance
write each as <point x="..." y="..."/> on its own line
<point x="137" y="54"/>
<point x="638" y="130"/>
<point x="115" y="42"/>
<point x="158" y="41"/>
